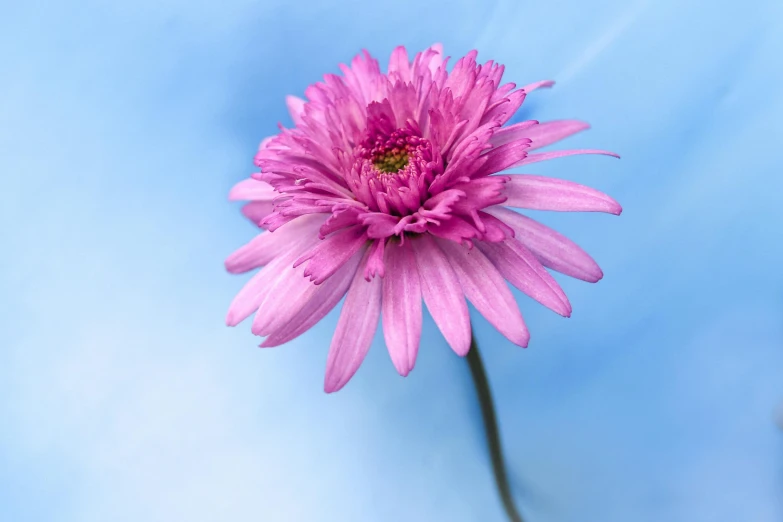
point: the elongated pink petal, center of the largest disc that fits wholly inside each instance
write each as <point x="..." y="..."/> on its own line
<point x="399" y="64"/>
<point x="504" y="157"/>
<point x="268" y="245"/>
<point x="256" y="211"/>
<point x="512" y="132"/>
<point x="553" y="249"/>
<point x="442" y="293"/>
<point x="550" y="132"/>
<point x="295" y="108"/>
<point x="537" y="85"/>
<point x="331" y="253"/>
<point x="542" y="193"/>
<point x="401" y="306"/>
<point x="252" y="294"/>
<point x="544" y="156"/>
<point x="485" y="288"/>
<point x="355" y="330"/>
<point x="252" y="190"/>
<point x="282" y="299"/>
<point x="521" y="268"/>
<point x="322" y="300"/>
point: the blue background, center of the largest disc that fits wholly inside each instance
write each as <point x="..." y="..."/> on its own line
<point x="123" y="397"/>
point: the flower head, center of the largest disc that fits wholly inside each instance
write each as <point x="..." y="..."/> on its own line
<point x="387" y="192"/>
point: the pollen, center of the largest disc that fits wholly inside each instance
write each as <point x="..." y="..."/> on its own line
<point x="391" y="161"/>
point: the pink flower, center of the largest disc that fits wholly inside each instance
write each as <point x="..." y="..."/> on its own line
<point x="386" y="192"/>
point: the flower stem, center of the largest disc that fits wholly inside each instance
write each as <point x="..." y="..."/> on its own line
<point x="491" y="429"/>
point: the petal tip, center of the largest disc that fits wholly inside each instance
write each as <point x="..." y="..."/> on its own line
<point x="594" y="278"/>
<point x="332" y="385"/>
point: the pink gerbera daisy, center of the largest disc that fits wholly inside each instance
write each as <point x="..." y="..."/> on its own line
<point x="387" y="192"/>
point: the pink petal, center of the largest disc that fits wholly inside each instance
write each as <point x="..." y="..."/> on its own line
<point x="401" y="306"/>
<point x="256" y="211"/>
<point x="354" y="333"/>
<point x="550" y="132"/>
<point x="332" y="252"/>
<point x="252" y="294"/>
<point x="374" y="265"/>
<point x="485" y="288"/>
<point x="553" y="249"/>
<point x="442" y="293"/>
<point x="295" y="108"/>
<point x="520" y="267"/>
<point x="538" y="85"/>
<point x="252" y="190"/>
<point x="512" y="132"/>
<point x="321" y="302"/>
<point x="399" y="64"/>
<point x="544" y="156"/>
<point x="542" y="193"/>
<point x="282" y="299"/>
<point x="504" y="157"/>
<point x="268" y="245"/>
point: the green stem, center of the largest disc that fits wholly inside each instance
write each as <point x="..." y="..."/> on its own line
<point x="491" y="429"/>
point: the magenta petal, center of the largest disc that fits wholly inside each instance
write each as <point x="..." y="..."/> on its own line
<point x="544" y="156"/>
<point x="505" y="156"/>
<point x="355" y="330"/>
<point x="268" y="245"/>
<point x="251" y="189"/>
<point x="401" y="306"/>
<point x="553" y="249"/>
<point x="485" y="288"/>
<point x="542" y="193"/>
<point x="442" y="293"/>
<point x="550" y="132"/>
<point x="521" y="268"/>
<point x="323" y="299"/>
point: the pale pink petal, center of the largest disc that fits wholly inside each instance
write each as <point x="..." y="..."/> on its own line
<point x="542" y="193"/>
<point x="537" y="85"/>
<point x="402" y="315"/>
<point x="485" y="288"/>
<point x="512" y="132"/>
<point x="550" y="132"/>
<point x="544" y="156"/>
<point x="520" y="267"/>
<point x="253" y="293"/>
<point x="354" y="333"/>
<point x="268" y="245"/>
<point x="321" y="302"/>
<point x="553" y="249"/>
<point x="399" y="64"/>
<point x="442" y="293"/>
<point x="295" y="108"/>
<point x="256" y="211"/>
<point x="252" y="190"/>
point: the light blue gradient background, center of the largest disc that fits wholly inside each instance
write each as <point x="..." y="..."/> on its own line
<point x="123" y="397"/>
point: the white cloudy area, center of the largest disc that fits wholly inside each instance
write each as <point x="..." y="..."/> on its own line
<point x="124" y="397"/>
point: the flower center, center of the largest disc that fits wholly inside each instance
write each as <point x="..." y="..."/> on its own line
<point x="391" y="161"/>
<point x="393" y="171"/>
